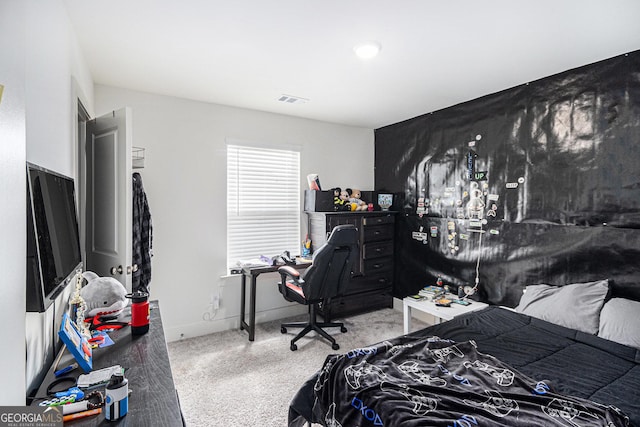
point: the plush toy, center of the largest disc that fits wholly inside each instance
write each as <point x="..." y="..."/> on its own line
<point x="338" y="203"/>
<point x="102" y="295"/>
<point x="354" y="198"/>
<point x="344" y="196"/>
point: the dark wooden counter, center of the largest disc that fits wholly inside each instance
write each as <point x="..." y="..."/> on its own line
<point x="153" y="400"/>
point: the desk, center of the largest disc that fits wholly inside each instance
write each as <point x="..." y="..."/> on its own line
<point x="440" y="313"/>
<point x="253" y="273"/>
<point x="153" y="400"/>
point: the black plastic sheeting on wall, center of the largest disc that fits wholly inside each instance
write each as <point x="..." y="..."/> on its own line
<point x="536" y="184"/>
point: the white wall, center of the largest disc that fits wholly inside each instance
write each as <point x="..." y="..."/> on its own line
<point x="185" y="181"/>
<point x="53" y="60"/>
<point x="12" y="197"/>
<point x="55" y="76"/>
<point x="40" y="59"/>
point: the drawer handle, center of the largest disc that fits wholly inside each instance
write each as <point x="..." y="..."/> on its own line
<point x="377" y="265"/>
<point x="377" y="232"/>
<point x="382" y="280"/>
<point x="378" y="250"/>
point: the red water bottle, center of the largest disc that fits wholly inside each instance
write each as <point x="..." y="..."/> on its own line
<point x="140" y="312"/>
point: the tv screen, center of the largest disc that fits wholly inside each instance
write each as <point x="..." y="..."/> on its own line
<point x="53" y="244"/>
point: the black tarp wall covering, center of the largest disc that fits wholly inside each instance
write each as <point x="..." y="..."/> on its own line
<point x="539" y="183"/>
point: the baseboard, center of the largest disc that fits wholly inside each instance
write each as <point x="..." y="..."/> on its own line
<point x="233" y="322"/>
<point x="224" y="324"/>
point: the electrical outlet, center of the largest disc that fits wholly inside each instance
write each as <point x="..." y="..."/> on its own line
<point x="215" y="301"/>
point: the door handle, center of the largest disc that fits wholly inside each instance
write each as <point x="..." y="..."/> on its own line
<point x="117" y="270"/>
<point x="132" y="268"/>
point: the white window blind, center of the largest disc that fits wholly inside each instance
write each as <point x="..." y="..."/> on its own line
<point x="263" y="202"/>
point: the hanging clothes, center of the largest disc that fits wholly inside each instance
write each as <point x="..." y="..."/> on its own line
<point x="142" y="237"/>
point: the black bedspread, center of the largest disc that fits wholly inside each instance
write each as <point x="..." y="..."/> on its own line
<point x="493" y="367"/>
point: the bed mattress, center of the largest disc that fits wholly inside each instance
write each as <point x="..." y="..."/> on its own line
<point x="491" y="367"/>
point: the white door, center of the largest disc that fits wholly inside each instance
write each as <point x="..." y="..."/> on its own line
<point x="108" y="196"/>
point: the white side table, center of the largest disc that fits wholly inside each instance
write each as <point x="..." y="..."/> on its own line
<point x="440" y="313"/>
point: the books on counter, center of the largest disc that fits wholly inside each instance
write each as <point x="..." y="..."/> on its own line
<point x="429" y="291"/>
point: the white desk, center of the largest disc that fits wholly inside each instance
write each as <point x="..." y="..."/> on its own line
<point x="440" y="313"/>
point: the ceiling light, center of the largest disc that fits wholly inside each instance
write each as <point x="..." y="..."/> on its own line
<point x="367" y="50"/>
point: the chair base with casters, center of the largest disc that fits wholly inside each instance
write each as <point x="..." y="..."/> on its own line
<point x="313" y="325"/>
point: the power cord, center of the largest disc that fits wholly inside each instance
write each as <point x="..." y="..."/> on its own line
<point x="477" y="281"/>
<point x="212" y="311"/>
<point x="209" y="315"/>
<point x="469" y="292"/>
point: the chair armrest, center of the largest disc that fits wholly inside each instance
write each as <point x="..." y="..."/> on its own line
<point x="288" y="273"/>
<point x="291" y="272"/>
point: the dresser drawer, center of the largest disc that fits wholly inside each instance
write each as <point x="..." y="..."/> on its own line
<point x="373" y="233"/>
<point x="358" y="303"/>
<point x="378" y="220"/>
<point x="336" y="220"/>
<point x="377" y="250"/>
<point x="377" y="265"/>
<point x="369" y="283"/>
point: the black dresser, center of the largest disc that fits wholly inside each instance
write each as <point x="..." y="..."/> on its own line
<point x="371" y="284"/>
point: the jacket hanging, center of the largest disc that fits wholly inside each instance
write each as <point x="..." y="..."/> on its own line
<point x="142" y="237"/>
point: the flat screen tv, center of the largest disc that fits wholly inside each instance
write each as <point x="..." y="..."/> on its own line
<point x="53" y="243"/>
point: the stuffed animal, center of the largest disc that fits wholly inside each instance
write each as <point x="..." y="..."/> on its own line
<point x="338" y="203"/>
<point x="102" y="295"/>
<point x="340" y="200"/>
<point x="354" y="198"/>
<point x="344" y="196"/>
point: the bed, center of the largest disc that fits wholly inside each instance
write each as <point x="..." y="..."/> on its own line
<point x="491" y="367"/>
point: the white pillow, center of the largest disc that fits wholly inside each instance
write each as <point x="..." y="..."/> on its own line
<point x="576" y="306"/>
<point x="620" y="322"/>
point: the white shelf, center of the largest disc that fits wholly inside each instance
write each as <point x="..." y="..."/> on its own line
<point x="137" y="156"/>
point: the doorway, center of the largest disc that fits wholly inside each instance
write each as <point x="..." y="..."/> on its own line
<point x="105" y="193"/>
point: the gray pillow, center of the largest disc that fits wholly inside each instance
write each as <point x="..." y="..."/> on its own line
<point x="576" y="306"/>
<point x="620" y="322"/>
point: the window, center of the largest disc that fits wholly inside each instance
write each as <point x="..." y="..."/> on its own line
<point x="263" y="202"/>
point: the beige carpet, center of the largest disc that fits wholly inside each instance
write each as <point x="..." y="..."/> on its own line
<point x="224" y="380"/>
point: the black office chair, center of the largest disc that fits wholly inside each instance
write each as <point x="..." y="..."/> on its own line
<point x="325" y="279"/>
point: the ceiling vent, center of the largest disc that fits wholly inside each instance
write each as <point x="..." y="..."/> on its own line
<point x="288" y="99"/>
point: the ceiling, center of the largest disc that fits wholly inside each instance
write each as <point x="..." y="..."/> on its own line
<point x="247" y="53"/>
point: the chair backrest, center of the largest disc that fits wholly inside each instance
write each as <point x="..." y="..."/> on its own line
<point x="331" y="269"/>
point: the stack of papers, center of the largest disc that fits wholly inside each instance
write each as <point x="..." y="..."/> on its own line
<point x="255" y="262"/>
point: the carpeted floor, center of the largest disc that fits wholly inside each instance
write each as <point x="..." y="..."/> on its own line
<point x="224" y="380"/>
